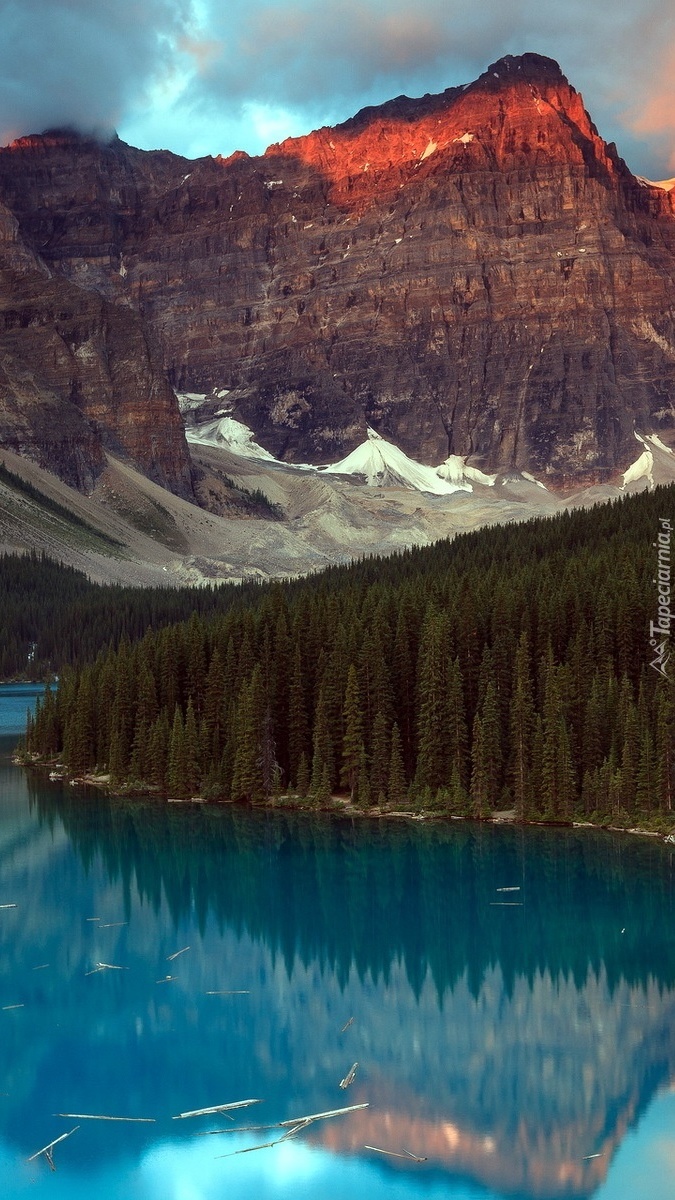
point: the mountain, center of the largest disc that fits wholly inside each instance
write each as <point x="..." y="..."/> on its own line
<point x="475" y="276"/>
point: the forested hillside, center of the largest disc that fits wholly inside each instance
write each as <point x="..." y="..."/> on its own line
<point x="509" y="668"/>
<point x="51" y="615"/>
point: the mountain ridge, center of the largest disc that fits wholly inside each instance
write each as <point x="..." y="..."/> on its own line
<point x="476" y="274"/>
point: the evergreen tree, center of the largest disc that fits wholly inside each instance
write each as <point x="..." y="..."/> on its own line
<point x="353" y="748"/>
<point x="397" y="789"/>
<point x="434" y="762"/>
<point x="177" y="770"/>
<point x="522" y="730"/>
<point x="251" y="770"/>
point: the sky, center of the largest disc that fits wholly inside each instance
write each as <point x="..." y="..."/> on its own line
<point x="211" y="76"/>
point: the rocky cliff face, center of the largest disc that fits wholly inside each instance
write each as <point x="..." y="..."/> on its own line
<point x="474" y="273"/>
<point x="78" y="371"/>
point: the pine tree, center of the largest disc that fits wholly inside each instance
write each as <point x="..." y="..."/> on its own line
<point x="665" y="747"/>
<point x="379" y="758"/>
<point x="303" y="776"/>
<point x="159" y="740"/>
<point x="353" y="747"/>
<point x="434" y="762"/>
<point x="322" y="749"/>
<point x="397" y="788"/>
<point x="192" y="763"/>
<point x="251" y="759"/>
<point x="480" y="779"/>
<point x="298" y="727"/>
<point x="177" y="770"/>
<point x="522" y="730"/>
<point x="458" y="738"/>
<point x="362" y="794"/>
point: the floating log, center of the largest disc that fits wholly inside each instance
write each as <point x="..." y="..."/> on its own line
<point x="349" y="1022"/>
<point x="506" y="904"/>
<point x="296" y="1123"/>
<point x="349" y="1077"/>
<point x="172" y="956"/>
<point x="322" y="1116"/>
<point x="166" y="979"/>
<point x="8" y="1007"/>
<point x="42" y="967"/>
<point x="100" y="1117"/>
<point x="508" y="889"/>
<point x="92" y="918"/>
<point x="113" y="924"/>
<point x="267" y="1145"/>
<point x="397" y="1154"/>
<point x="216" y="1108"/>
<point x="246" y="993"/>
<point x="50" y="1145"/>
<point x="111" y="967"/>
<point x="8" y="906"/>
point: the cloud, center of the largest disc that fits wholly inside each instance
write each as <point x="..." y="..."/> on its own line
<point x="83" y="62"/>
<point x="204" y="76"/>
<point x="330" y="57"/>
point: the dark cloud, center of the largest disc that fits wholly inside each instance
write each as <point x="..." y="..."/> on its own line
<point x="82" y="62"/>
<point x="190" y="72"/>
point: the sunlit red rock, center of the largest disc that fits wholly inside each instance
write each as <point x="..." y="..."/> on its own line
<point x="475" y="273"/>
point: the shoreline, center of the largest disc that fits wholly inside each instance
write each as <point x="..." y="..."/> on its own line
<point x="338" y="805"/>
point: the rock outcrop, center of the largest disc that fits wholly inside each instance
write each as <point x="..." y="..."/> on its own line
<point x="78" y="371"/>
<point x="474" y="274"/>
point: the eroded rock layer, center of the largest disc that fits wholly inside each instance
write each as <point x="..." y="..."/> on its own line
<point x="474" y="273"/>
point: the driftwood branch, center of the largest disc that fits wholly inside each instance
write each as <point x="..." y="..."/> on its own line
<point x="217" y="1108"/>
<point x="100" y="1117"/>
<point x="398" y="1154"/>
<point x="47" y="1150"/>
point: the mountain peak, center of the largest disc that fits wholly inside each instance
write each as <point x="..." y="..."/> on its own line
<point x="527" y="66"/>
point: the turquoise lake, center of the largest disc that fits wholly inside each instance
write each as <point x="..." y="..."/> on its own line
<point x="507" y="994"/>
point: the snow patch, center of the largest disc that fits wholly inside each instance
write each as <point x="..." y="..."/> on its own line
<point x="465" y="138"/>
<point x="455" y="470"/>
<point x="189" y="400"/>
<point x="382" y="464"/>
<point x="640" y="469"/>
<point x="656" y="441"/>
<point x="643" y="466"/>
<point x="429" y="149"/>
<point x="226" y="433"/>
<point x="531" y="478"/>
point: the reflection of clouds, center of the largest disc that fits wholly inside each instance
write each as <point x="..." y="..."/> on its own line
<point x="663" y="1151"/>
<point x="292" y="1170"/>
<point x="644" y="1166"/>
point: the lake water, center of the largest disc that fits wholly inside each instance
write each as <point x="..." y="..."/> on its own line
<point x="521" y="1041"/>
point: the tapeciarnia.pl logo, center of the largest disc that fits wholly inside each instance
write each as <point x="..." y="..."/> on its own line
<point x="659" y="630"/>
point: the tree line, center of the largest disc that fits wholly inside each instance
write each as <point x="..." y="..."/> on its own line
<point x="507" y="669"/>
<point x="52" y="615"/>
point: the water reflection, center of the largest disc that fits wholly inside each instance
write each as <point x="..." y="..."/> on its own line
<point x="509" y="1037"/>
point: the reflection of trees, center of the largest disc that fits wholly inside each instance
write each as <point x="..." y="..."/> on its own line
<point x="372" y="893"/>
<point x="505" y="1043"/>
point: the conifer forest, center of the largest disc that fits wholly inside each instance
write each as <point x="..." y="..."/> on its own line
<point x="508" y="669"/>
